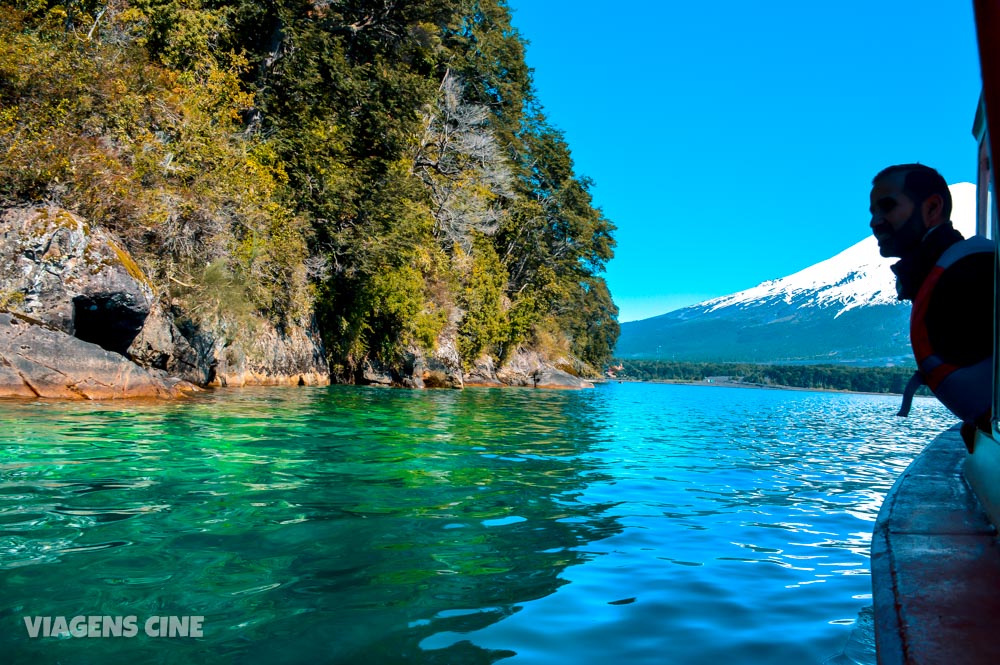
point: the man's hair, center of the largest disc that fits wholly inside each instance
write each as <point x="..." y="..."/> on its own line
<point x="920" y="182"/>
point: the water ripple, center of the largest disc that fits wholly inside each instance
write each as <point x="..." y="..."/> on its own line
<point x="647" y="523"/>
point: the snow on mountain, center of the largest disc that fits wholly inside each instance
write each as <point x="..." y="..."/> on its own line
<point x="857" y="277"/>
<point x="841" y="310"/>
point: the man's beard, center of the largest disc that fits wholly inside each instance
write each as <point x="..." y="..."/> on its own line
<point x="905" y="239"/>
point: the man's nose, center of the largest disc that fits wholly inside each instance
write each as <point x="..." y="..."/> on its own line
<point x="878" y="216"/>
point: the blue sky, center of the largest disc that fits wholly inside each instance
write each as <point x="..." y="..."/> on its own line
<point x="734" y="142"/>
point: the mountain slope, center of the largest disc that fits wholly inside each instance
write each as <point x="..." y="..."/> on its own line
<point x="841" y="310"/>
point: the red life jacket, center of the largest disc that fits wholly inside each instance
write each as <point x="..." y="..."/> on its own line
<point x="967" y="391"/>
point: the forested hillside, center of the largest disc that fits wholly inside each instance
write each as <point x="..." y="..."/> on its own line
<point x="383" y="166"/>
<point x="825" y="377"/>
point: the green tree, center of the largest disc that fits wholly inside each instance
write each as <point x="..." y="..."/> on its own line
<point x="383" y="164"/>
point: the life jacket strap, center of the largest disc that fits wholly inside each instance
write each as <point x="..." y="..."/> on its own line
<point x="909" y="391"/>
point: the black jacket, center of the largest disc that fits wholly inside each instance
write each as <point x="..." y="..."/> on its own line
<point x="960" y="313"/>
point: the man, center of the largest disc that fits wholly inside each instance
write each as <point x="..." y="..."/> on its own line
<point x="949" y="280"/>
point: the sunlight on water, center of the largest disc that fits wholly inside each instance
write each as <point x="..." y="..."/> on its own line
<point x="649" y="523"/>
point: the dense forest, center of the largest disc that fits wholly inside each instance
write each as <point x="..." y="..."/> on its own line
<point x="825" y="377"/>
<point x="381" y="167"/>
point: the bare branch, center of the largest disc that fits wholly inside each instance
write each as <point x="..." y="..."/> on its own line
<point x="97" y="20"/>
<point x="465" y="170"/>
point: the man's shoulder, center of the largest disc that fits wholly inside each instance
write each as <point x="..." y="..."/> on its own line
<point x="974" y="246"/>
<point x="971" y="270"/>
<point x="964" y="291"/>
<point x="960" y="311"/>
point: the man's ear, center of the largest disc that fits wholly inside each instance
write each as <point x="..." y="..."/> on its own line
<point x="933" y="210"/>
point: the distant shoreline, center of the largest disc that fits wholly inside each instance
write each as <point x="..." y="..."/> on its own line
<point x="741" y="384"/>
<point x="890" y="380"/>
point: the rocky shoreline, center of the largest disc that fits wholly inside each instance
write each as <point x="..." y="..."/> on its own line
<point x="80" y="320"/>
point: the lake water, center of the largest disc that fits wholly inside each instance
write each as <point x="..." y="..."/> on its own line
<point x="633" y="523"/>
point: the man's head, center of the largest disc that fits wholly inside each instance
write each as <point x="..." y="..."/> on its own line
<point x="906" y="201"/>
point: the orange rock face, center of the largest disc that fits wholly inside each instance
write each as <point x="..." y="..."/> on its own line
<point x="38" y="361"/>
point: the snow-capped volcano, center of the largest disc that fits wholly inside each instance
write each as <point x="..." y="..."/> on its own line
<point x="843" y="309"/>
<point x="856" y="277"/>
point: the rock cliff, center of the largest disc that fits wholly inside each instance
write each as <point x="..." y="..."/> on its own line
<point x="80" y="319"/>
<point x="39" y="361"/>
<point x="83" y="321"/>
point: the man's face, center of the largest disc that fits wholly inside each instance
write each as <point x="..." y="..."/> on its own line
<point x="897" y="222"/>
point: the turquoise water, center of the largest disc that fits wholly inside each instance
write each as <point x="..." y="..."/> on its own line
<point x="634" y="523"/>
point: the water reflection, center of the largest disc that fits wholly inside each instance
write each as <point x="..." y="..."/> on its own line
<point x="746" y="522"/>
<point x="339" y="525"/>
<point x="315" y="525"/>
